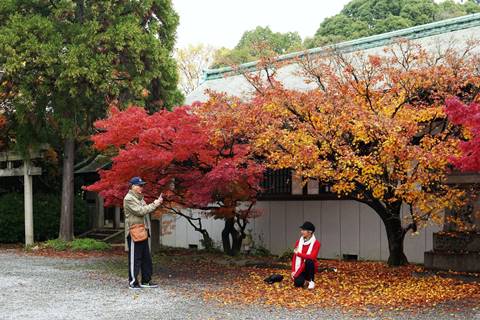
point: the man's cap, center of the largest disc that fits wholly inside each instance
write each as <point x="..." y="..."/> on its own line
<point x="307" y="225"/>
<point x="137" y="181"/>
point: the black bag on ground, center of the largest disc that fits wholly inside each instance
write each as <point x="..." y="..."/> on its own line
<point x="273" y="278"/>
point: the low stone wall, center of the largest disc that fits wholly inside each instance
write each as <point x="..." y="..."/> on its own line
<point x="455" y="251"/>
<point x="456" y="242"/>
<point x="451" y="261"/>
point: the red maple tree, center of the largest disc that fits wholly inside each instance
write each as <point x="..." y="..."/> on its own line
<point x="195" y="158"/>
<point x="467" y="116"/>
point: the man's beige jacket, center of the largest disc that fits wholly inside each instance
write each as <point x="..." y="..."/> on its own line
<point x="136" y="210"/>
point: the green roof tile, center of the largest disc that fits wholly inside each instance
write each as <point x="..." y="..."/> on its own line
<point x="379" y="40"/>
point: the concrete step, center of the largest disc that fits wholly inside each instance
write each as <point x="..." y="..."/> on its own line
<point x="452" y="261"/>
<point x="456" y="242"/>
<point x="107" y="235"/>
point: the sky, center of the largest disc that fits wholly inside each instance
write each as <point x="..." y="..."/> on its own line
<point x="221" y="23"/>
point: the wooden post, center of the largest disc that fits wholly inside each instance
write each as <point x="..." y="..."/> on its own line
<point x="28" y="199"/>
<point x="101" y="213"/>
<point x="116" y="219"/>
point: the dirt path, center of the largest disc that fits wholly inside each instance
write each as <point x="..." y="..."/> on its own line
<point x="51" y="288"/>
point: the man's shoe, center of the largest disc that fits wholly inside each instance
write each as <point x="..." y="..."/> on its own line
<point x="134" y="286"/>
<point x="311" y="285"/>
<point x="149" y="285"/>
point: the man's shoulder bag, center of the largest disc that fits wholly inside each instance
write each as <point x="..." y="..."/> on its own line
<point x="138" y="232"/>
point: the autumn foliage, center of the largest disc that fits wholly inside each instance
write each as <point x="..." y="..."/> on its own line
<point x="197" y="161"/>
<point x="371" y="126"/>
<point x="467" y="116"/>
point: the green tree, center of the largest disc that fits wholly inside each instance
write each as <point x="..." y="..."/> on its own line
<point x="450" y="9"/>
<point x="225" y="57"/>
<point x="279" y="43"/>
<point x="472" y="6"/>
<point x="257" y="43"/>
<point x="64" y="61"/>
<point x="360" y="18"/>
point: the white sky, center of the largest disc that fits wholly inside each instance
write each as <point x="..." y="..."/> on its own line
<point x="221" y="23"/>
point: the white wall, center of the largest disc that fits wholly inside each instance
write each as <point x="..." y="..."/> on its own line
<point x="343" y="227"/>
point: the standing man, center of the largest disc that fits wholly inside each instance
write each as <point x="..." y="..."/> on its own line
<point x="304" y="261"/>
<point x="137" y="232"/>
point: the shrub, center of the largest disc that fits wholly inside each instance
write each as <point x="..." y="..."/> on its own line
<point x="258" y="249"/>
<point x="88" y="244"/>
<point x="286" y="256"/>
<point x="46" y="217"/>
<point x="56" y="244"/>
<point x="261" y="251"/>
<point x="84" y="244"/>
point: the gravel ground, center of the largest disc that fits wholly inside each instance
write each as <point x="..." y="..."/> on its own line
<point x="52" y="288"/>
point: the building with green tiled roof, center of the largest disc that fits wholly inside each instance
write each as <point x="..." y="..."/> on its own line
<point x="431" y="35"/>
<point x="346" y="228"/>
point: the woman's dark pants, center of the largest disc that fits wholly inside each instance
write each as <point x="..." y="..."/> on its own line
<point x="307" y="275"/>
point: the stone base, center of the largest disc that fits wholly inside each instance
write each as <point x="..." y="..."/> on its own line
<point x="461" y="262"/>
<point x="456" y="241"/>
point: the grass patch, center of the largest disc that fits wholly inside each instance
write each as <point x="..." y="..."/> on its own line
<point x="84" y="244"/>
<point x="56" y="244"/>
<point x="87" y="244"/>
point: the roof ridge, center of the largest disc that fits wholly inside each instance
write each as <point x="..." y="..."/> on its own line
<point x="416" y="32"/>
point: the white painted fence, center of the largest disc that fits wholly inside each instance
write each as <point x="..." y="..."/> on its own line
<point x="343" y="227"/>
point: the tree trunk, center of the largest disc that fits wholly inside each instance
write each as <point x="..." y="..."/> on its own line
<point x="390" y="216"/>
<point x="66" y="216"/>
<point x="207" y="242"/>
<point x="231" y="238"/>
<point x="395" y="235"/>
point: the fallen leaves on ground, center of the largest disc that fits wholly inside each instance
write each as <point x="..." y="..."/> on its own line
<point x="71" y="254"/>
<point x="358" y="286"/>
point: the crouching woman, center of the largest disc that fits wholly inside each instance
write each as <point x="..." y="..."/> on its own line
<point x="304" y="261"/>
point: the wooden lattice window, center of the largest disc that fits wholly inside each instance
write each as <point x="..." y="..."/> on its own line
<point x="277" y="182"/>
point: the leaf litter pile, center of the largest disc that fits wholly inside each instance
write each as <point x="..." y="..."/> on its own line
<point x="360" y="287"/>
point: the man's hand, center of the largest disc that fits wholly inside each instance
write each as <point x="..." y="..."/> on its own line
<point x="159" y="200"/>
<point x="295" y="250"/>
<point x="293" y="275"/>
